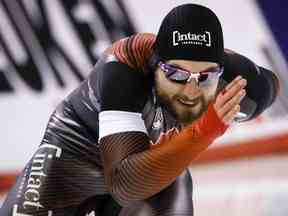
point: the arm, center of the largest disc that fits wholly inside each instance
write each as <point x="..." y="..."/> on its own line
<point x="132" y="170"/>
<point x="262" y="84"/>
<point x="135" y="172"/>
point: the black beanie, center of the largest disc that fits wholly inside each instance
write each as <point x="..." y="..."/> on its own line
<point x="190" y="32"/>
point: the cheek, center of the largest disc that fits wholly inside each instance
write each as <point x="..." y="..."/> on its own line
<point x="171" y="89"/>
<point x="209" y="92"/>
<point x="166" y="86"/>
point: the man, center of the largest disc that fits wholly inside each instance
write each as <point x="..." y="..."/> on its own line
<point x="122" y="142"/>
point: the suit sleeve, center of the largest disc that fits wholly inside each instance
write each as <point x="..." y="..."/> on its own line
<point x="262" y="84"/>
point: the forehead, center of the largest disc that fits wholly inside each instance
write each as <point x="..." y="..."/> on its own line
<point x="194" y="66"/>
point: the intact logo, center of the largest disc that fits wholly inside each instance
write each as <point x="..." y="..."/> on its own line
<point x="202" y="39"/>
<point x="29" y="191"/>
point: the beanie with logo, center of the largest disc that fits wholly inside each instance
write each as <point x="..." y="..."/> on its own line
<point x="193" y="32"/>
<point x="190" y="32"/>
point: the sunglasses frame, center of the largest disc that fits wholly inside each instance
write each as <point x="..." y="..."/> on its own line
<point x="192" y="75"/>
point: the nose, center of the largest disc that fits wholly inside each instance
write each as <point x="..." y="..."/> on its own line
<point x="192" y="88"/>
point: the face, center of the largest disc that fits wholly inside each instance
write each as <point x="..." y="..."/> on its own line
<point x="186" y="101"/>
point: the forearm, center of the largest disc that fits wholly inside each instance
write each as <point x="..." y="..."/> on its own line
<point x="144" y="172"/>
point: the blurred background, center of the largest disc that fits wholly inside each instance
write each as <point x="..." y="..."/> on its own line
<point x="47" y="47"/>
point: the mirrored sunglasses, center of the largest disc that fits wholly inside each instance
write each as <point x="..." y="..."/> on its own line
<point x="180" y="75"/>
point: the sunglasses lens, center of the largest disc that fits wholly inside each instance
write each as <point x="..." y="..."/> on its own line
<point x="209" y="76"/>
<point x="179" y="76"/>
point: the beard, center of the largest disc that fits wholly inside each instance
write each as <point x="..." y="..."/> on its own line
<point x="182" y="112"/>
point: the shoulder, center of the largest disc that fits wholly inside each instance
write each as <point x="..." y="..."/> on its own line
<point x="119" y="86"/>
<point x="135" y="50"/>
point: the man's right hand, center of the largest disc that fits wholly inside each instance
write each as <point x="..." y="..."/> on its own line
<point x="227" y="103"/>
